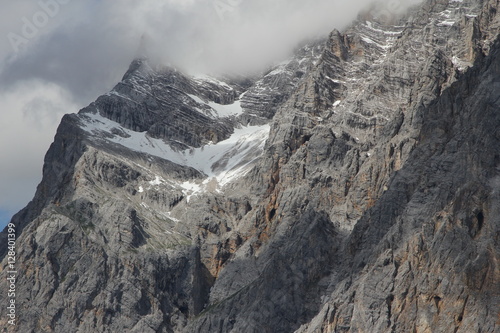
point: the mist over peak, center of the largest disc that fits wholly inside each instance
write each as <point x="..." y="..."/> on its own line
<point x="83" y="48"/>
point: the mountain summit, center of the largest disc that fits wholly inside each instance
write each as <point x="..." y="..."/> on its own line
<point x="354" y="187"/>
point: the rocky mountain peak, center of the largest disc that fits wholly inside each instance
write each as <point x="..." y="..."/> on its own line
<point x="351" y="188"/>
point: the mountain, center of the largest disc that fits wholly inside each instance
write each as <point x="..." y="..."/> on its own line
<point x="352" y="188"/>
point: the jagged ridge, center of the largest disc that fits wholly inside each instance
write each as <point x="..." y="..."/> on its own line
<point x="372" y="206"/>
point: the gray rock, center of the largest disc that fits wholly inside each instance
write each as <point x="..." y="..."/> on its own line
<point x="372" y="207"/>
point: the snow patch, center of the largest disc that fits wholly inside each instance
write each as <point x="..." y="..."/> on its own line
<point x="222" y="111"/>
<point x="387" y="32"/>
<point x="197" y="99"/>
<point x="158" y="181"/>
<point x="334" y="80"/>
<point x="459" y="64"/>
<point x="138" y="141"/>
<point x="371" y="41"/>
<point x="234" y="109"/>
<point x="446" y="14"/>
<point x="205" y="78"/>
<point x="190" y="189"/>
<point x="169" y="216"/>
<point x="279" y="70"/>
<point x="223" y="162"/>
<point x="446" y="23"/>
<point x="115" y="93"/>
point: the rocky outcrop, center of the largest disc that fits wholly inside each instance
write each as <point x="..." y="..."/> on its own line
<point x="422" y="260"/>
<point x="353" y="188"/>
<point x="263" y="99"/>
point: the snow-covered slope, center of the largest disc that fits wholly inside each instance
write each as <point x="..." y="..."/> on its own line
<point x="225" y="161"/>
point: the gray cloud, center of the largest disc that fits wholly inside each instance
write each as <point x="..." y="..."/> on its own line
<point x="30" y="114"/>
<point x="87" y="46"/>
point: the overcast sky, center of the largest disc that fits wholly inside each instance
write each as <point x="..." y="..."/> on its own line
<point x="57" y="56"/>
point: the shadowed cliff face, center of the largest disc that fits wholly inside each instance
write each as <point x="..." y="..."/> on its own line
<point x="352" y="188"/>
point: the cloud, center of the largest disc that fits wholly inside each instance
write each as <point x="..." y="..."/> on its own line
<point x="236" y="35"/>
<point x="29" y="118"/>
<point x="72" y="51"/>
<point x="87" y="45"/>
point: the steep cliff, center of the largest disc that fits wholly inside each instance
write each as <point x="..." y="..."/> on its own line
<point x="352" y="188"/>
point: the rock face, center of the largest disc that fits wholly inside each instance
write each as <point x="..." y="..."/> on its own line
<point x="353" y="188"/>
